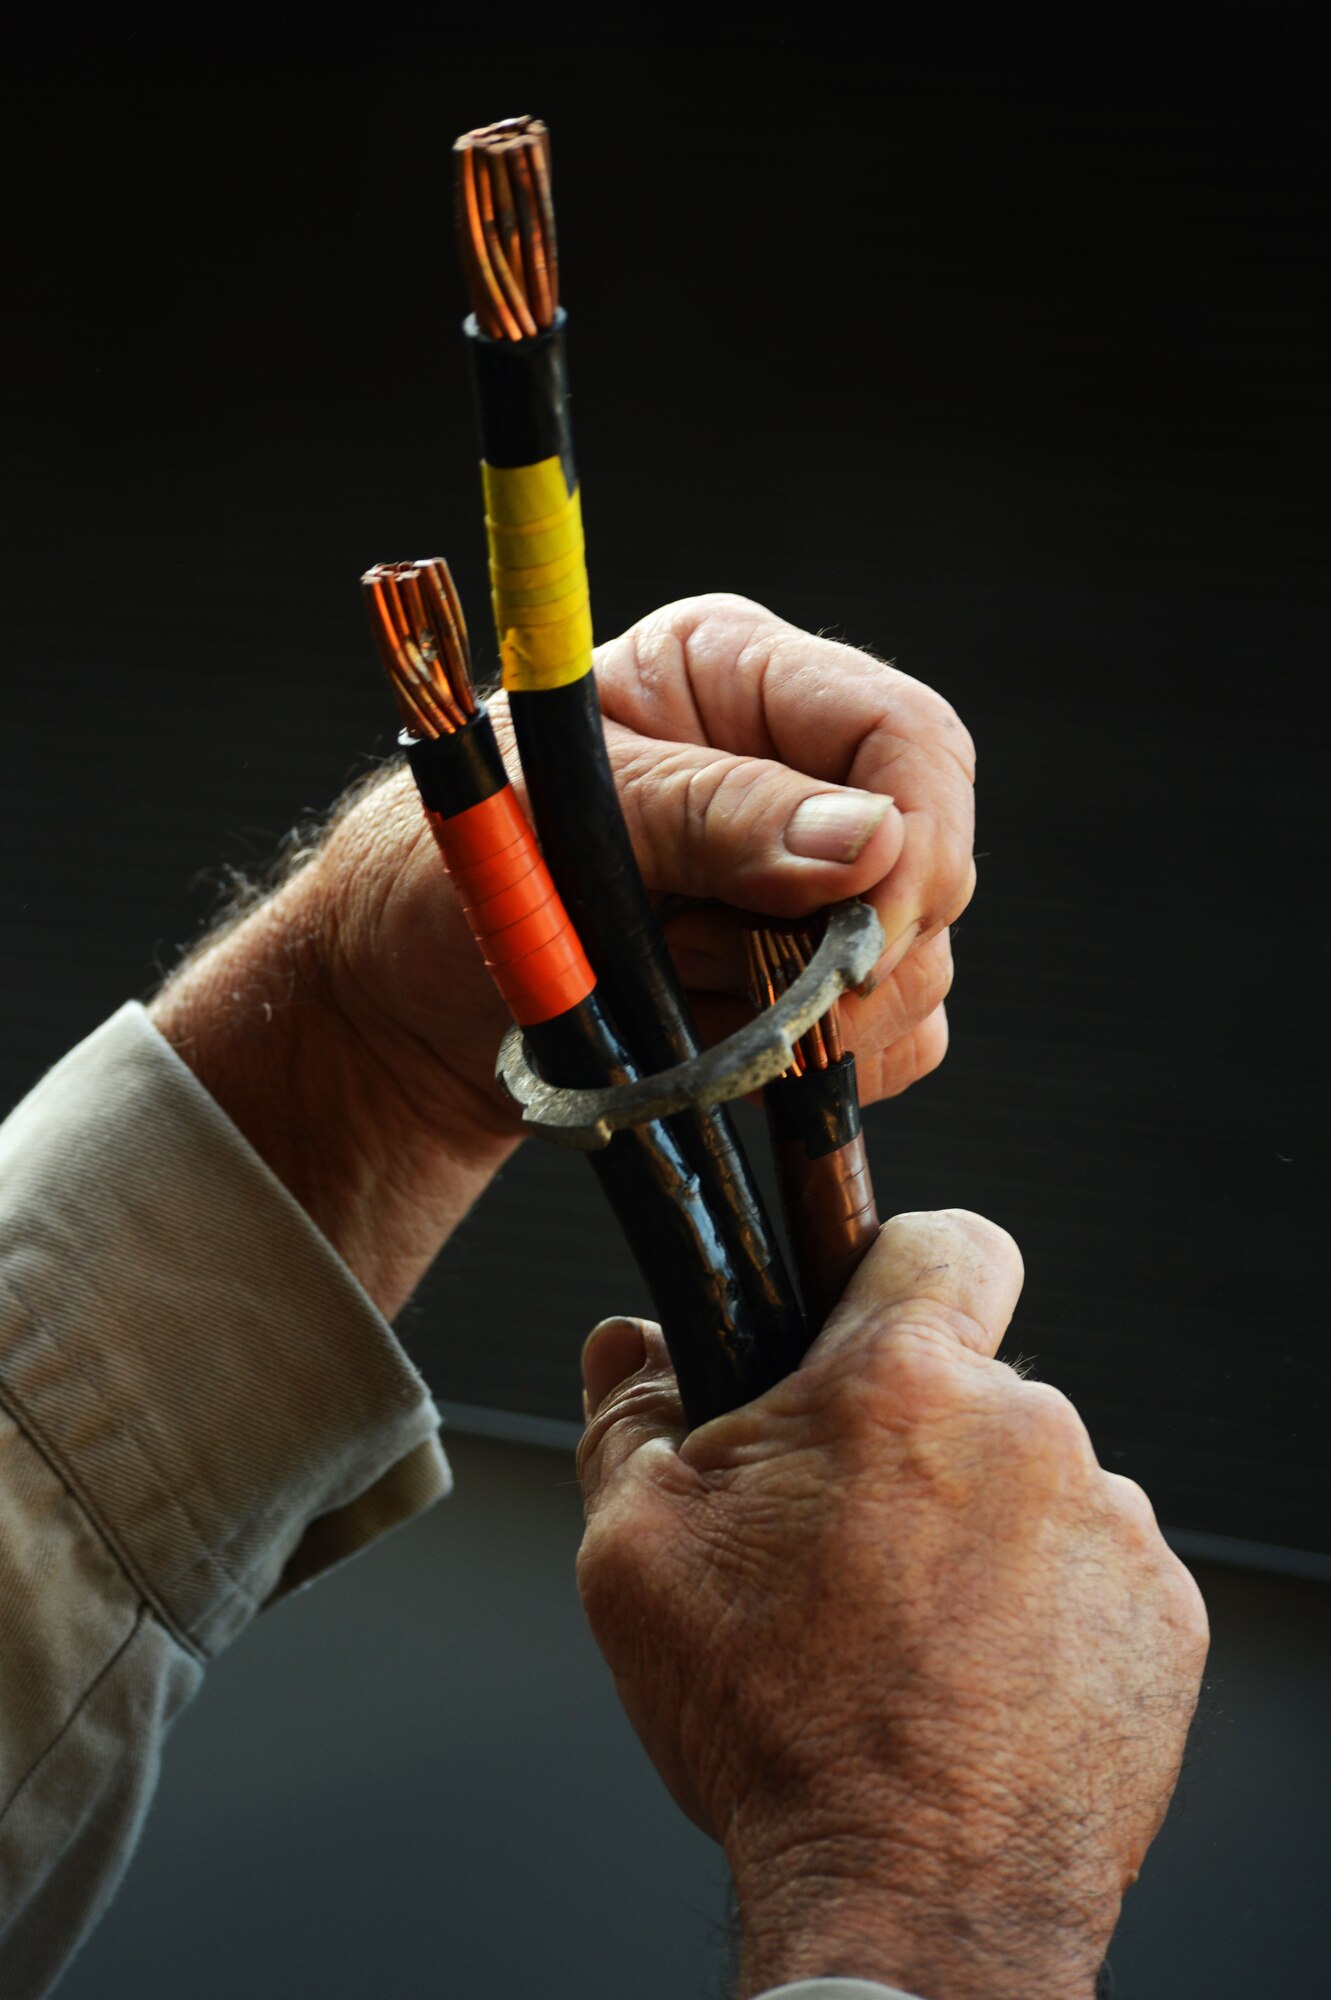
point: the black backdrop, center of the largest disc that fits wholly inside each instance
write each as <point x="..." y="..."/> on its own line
<point x="1005" y="362"/>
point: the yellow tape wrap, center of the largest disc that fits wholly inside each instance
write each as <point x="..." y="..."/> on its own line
<point x="538" y="575"/>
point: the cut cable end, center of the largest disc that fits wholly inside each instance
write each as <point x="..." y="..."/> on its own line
<point x="506" y="227"/>
<point x="421" y="634"/>
<point x="775" y="959"/>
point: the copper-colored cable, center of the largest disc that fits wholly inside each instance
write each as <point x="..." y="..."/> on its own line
<point x="506" y="227"/>
<point x="776" y="958"/>
<point x="421" y="634"/>
<point x="818" y="1148"/>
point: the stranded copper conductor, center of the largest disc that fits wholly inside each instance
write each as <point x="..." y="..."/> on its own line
<point x="506" y="227"/>
<point x="813" y="1116"/>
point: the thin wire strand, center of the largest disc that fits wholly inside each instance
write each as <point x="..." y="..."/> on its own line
<point x="775" y="960"/>
<point x="506" y="227"/>
<point x="418" y="626"/>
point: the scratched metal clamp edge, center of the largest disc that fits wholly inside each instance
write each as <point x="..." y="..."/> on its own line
<point x="588" y="1119"/>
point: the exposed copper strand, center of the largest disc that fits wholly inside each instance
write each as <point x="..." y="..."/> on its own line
<point x="422" y="640"/>
<point x="775" y="959"/>
<point x="506" y="227"/>
<point x="487" y="295"/>
<point x="534" y="270"/>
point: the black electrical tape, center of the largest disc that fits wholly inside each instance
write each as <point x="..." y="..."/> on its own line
<point x="721" y="1358"/>
<point x="522" y="397"/>
<point x="821" y="1108"/>
<point x="454" y="772"/>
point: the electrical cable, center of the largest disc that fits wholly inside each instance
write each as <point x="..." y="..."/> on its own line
<point x="538" y="964"/>
<point x="813" y="1116"/>
<point x="515" y="341"/>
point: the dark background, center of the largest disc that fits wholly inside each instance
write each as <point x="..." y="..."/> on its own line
<point x="1003" y="360"/>
<point x="1002" y="356"/>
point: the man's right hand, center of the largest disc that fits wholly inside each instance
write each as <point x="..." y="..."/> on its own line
<point x="893" y="1636"/>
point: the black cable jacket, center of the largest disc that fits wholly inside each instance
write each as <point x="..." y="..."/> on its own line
<point x="821" y="1108"/>
<point x="457" y="771"/>
<point x="522" y="397"/>
<point x="521" y="394"/>
<point x="658" y="1201"/>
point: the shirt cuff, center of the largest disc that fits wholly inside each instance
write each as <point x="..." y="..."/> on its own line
<point x="835" y="1989"/>
<point x="188" y="1351"/>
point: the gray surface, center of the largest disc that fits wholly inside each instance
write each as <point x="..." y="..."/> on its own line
<point x="415" y="1781"/>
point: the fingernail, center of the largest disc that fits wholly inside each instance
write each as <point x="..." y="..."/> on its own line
<point x="612" y="1352"/>
<point x="835" y="826"/>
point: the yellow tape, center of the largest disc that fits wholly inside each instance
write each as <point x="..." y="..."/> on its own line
<point x="534" y="576"/>
<point x="516" y="495"/>
<point x="550" y="540"/>
<point x="538" y="575"/>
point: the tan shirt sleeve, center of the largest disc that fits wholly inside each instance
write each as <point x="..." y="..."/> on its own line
<point x="199" y="1410"/>
<point x="835" y="1989"/>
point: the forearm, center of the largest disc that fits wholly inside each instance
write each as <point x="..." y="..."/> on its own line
<point x="384" y="1145"/>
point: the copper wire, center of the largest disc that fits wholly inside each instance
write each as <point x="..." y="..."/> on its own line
<point x="776" y="958"/>
<point x="506" y="227"/>
<point x="421" y="634"/>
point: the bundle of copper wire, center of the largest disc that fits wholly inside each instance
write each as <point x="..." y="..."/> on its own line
<point x="506" y="227"/>
<point x="776" y="958"/>
<point x="421" y="634"/>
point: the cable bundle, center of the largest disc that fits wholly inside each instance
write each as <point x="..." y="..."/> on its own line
<point x="813" y="1115"/>
<point x="537" y="963"/>
<point x="515" y="341"/>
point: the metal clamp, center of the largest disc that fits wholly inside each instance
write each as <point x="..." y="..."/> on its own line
<point x="587" y="1119"/>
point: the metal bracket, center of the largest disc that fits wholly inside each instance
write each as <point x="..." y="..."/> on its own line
<point x="587" y="1119"/>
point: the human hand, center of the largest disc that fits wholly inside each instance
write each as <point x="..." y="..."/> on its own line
<point x="892" y="1636"/>
<point x="350" y="1029"/>
<point x="734" y="738"/>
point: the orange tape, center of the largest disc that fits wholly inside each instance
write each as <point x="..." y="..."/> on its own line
<point x="513" y="909"/>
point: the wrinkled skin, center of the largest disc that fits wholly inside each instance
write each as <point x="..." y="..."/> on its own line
<point x="350" y="1030"/>
<point x="889" y="1633"/>
<point x="892" y="1635"/>
<point x="718" y="717"/>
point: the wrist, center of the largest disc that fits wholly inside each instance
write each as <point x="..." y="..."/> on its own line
<point x="854" y="1907"/>
<point x="381" y="1143"/>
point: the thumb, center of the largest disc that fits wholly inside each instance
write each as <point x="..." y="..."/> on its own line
<point x="747" y="830"/>
<point x="630" y="1399"/>
<point x="949" y="1270"/>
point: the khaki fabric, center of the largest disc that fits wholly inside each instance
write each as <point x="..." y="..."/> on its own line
<point x="199" y="1410"/>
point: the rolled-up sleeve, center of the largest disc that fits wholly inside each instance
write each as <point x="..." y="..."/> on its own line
<point x="199" y="1410"/>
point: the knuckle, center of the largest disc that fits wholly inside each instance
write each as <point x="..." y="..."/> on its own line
<point x="606" y="1574"/>
<point x="703" y="812"/>
<point x="1051" y="1426"/>
<point x="1134" y="1510"/>
<point x="1191" y="1618"/>
<point x="944" y="970"/>
<point x="952" y="880"/>
<point x="996" y="1246"/>
<point x="886" y="1072"/>
<point x="928" y="1045"/>
<point x="720" y="604"/>
<point x="938" y="720"/>
<point x="907" y="1374"/>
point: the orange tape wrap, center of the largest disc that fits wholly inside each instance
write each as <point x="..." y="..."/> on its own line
<point x="513" y="909"/>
